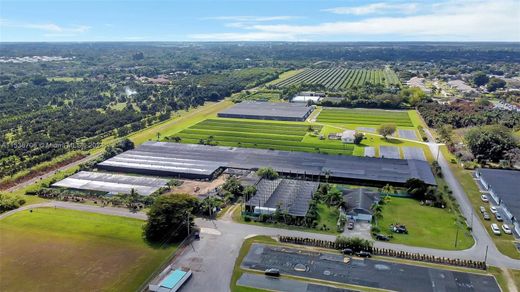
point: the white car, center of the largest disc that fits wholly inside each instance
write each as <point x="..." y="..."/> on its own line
<point x="495" y="229"/>
<point x="493" y="210"/>
<point x="484" y="198"/>
<point x="506" y="229"/>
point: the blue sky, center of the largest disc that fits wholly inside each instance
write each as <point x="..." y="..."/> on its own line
<point x="259" y="20"/>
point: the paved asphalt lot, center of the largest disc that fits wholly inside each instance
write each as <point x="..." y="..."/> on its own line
<point x="284" y="285"/>
<point x="364" y="272"/>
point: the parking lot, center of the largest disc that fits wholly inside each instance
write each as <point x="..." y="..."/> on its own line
<point x="363" y="272"/>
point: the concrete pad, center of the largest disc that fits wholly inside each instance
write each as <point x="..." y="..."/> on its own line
<point x="413" y="153"/>
<point x="408" y="134"/>
<point x="389" y="152"/>
<point x="366" y="129"/>
<point x="370" y="152"/>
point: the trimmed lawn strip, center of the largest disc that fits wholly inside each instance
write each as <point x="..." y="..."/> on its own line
<point x="428" y="226"/>
<point x="503" y="242"/>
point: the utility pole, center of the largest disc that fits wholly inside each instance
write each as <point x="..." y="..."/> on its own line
<point x="188" y="222"/>
<point x="485" y="258"/>
<point x="457" y="236"/>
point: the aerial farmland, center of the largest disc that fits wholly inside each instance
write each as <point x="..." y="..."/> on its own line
<point x="342" y="78"/>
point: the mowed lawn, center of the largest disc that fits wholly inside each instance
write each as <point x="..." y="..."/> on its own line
<point x="427" y="226"/>
<point x="364" y="117"/>
<point x="63" y="250"/>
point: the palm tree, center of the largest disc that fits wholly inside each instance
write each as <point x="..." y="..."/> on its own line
<point x="377" y="211"/>
<point x="334" y="197"/>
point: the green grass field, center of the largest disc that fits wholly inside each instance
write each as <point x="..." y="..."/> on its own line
<point x="427" y="226"/>
<point x="288" y="136"/>
<point x="364" y="117"/>
<point x="64" y="250"/>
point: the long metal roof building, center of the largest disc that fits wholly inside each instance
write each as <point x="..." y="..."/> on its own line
<point x="281" y="111"/>
<point x="202" y="161"/>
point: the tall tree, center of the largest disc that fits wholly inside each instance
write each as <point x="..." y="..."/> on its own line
<point x="490" y="142"/>
<point x="170" y="217"/>
<point x="386" y="130"/>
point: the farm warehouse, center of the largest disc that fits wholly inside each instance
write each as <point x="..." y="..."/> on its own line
<point x="113" y="183"/>
<point x="268" y="111"/>
<point x="204" y="162"/>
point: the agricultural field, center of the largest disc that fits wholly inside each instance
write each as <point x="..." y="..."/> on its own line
<point x="64" y="250"/>
<point x="259" y="134"/>
<point x="364" y="117"/>
<point x="341" y="78"/>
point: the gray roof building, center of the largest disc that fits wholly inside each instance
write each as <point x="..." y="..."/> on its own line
<point x="504" y="186"/>
<point x="204" y="162"/>
<point x="289" y="195"/>
<point x="358" y="202"/>
<point x="280" y="111"/>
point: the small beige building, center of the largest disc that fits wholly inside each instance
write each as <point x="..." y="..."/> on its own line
<point x="348" y="136"/>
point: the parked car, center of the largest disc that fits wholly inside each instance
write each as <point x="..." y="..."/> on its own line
<point x="350" y="225"/>
<point x="272" y="272"/>
<point x="499" y="217"/>
<point x="486" y="216"/>
<point x="382" y="237"/>
<point x="506" y="229"/>
<point x="347" y="251"/>
<point x="493" y="210"/>
<point x="484" y="198"/>
<point x="482" y="209"/>
<point x="399" y="228"/>
<point x="364" y="254"/>
<point x="495" y="229"/>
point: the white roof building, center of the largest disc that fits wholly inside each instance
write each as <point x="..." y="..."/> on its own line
<point x="348" y="136"/>
<point x="306" y="98"/>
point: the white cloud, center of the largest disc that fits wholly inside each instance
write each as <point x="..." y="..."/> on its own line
<point x="249" y="18"/>
<point x="375" y="8"/>
<point x="50" y="29"/>
<point x="470" y="20"/>
<point x="252" y="36"/>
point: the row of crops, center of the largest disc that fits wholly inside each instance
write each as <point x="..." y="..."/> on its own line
<point x="262" y="135"/>
<point x="364" y="117"/>
<point x="342" y="78"/>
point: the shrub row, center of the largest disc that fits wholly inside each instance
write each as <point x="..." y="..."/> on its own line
<point x="384" y="252"/>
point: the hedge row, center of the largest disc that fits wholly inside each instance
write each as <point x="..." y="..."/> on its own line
<point x="387" y="252"/>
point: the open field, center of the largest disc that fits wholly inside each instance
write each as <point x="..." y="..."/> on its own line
<point x="286" y="136"/>
<point x="340" y="78"/>
<point x="64" y="250"/>
<point x="427" y="226"/>
<point x="364" y="117"/>
<point x="285" y="75"/>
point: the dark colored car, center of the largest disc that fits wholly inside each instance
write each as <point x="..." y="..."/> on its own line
<point x="350" y="225"/>
<point x="272" y="272"/>
<point x="382" y="237"/>
<point x="364" y="254"/>
<point x="347" y="251"/>
<point x="499" y="217"/>
<point x="196" y="235"/>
